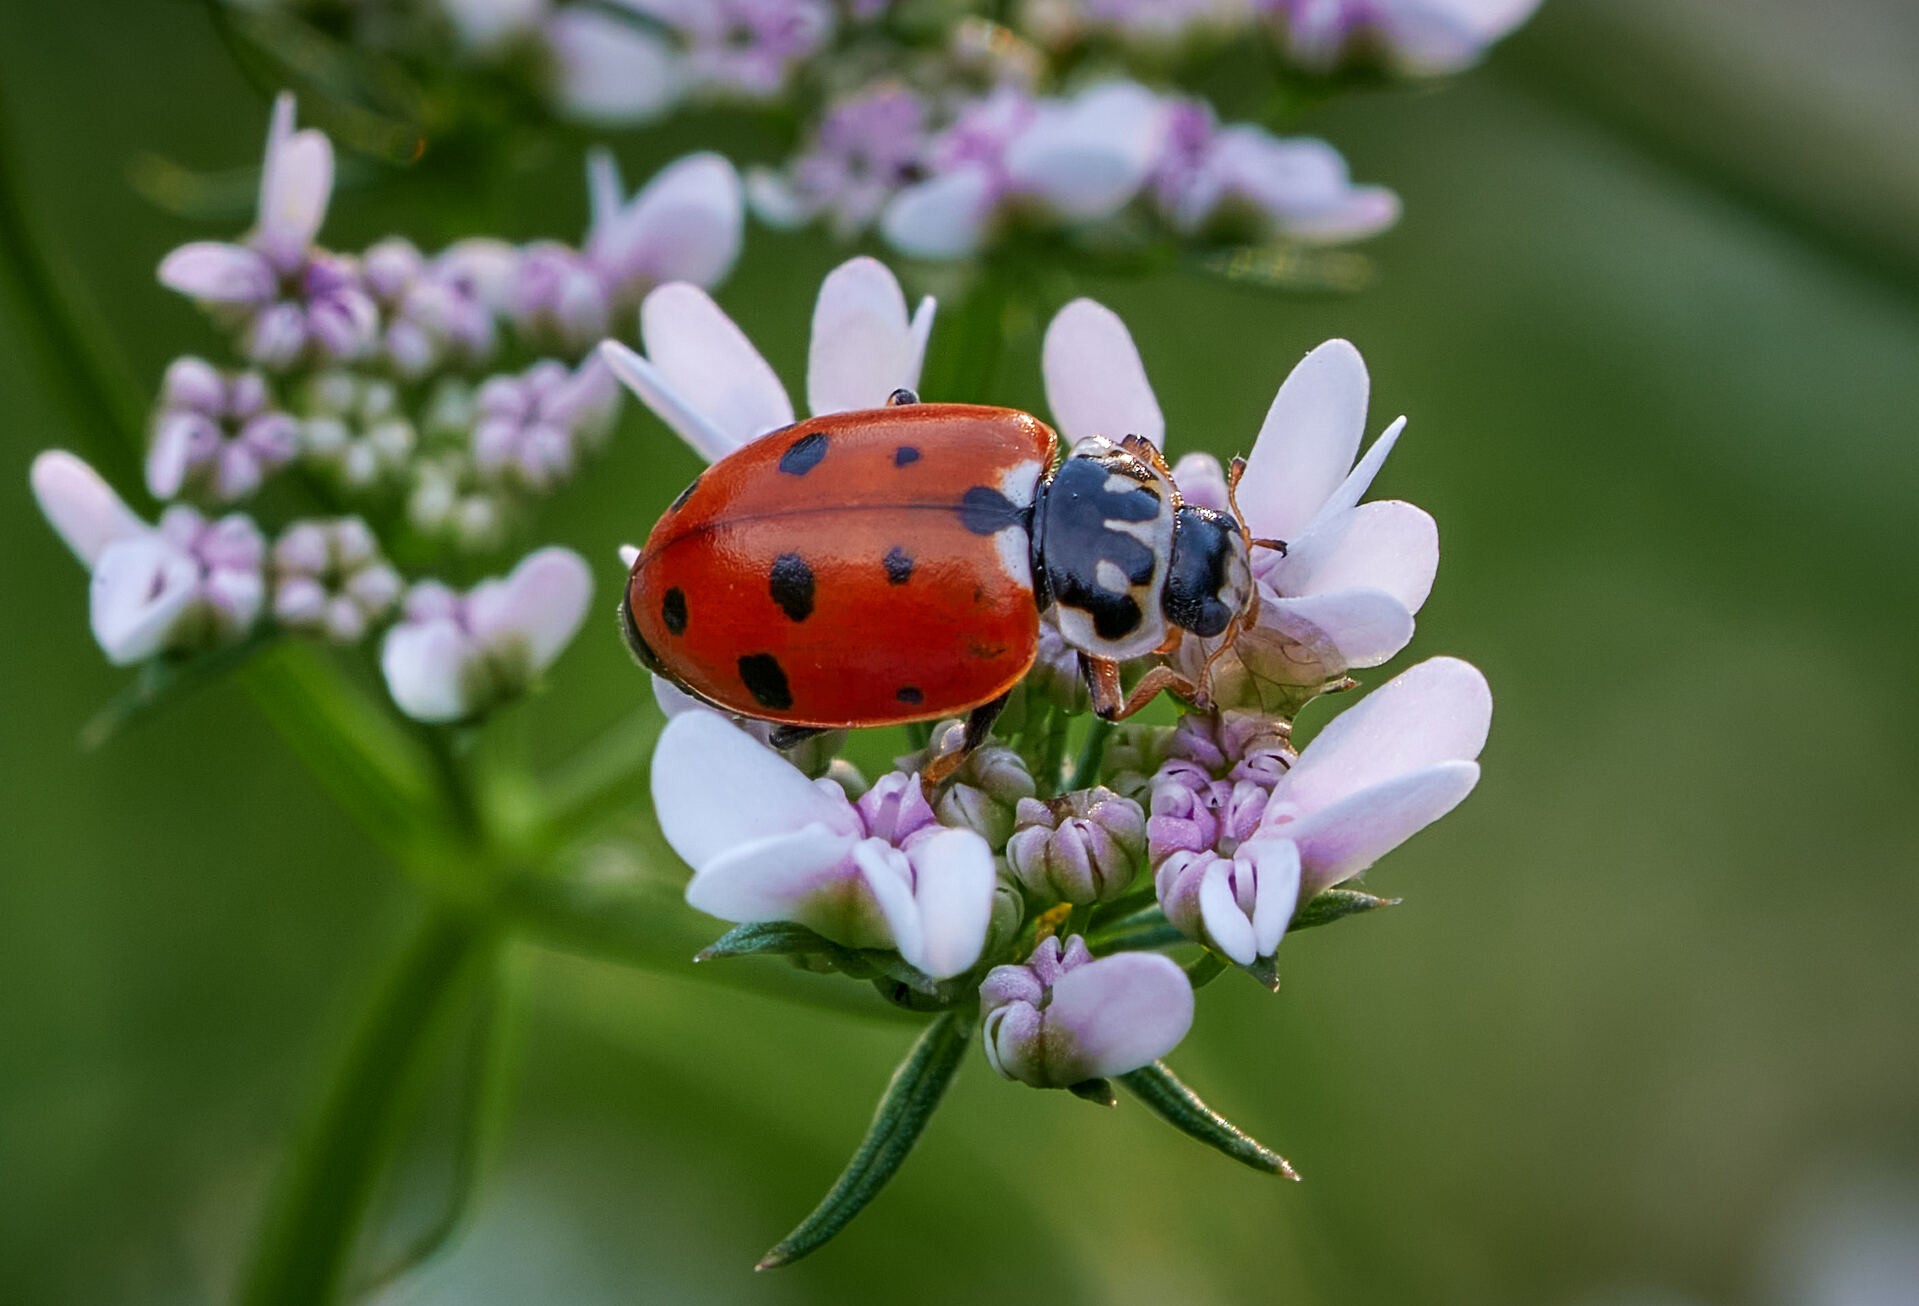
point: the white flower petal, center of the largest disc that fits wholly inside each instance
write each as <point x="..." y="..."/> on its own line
<point x="1117" y="1014"/>
<point x="1437" y="711"/>
<point x="608" y="71"/>
<point x="1347" y="629"/>
<point x="862" y="345"/>
<point x="900" y="925"/>
<point x="1360" y="479"/>
<point x="1087" y="159"/>
<point x="715" y="787"/>
<point x="1276" y="868"/>
<point x="1339" y="841"/>
<point x="771" y="879"/>
<point x="922" y="328"/>
<point x="943" y="217"/>
<point x="1095" y="382"/>
<point x="538" y="606"/>
<point x="1307" y="442"/>
<point x="80" y="506"/>
<point x="1386" y="545"/>
<point x="144" y="588"/>
<point x="710" y="364"/>
<point x="218" y="273"/>
<point x="427" y="666"/>
<point x="953" y="881"/>
<point x="296" y="185"/>
<point x="653" y="390"/>
<point x="684" y="225"/>
<point x="1227" y="927"/>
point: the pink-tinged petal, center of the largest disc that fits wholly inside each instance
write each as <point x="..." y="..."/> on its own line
<point x="684" y="225"/>
<point x="710" y="364"/>
<point x="943" y="217"/>
<point x="1339" y="841"/>
<point x="1343" y="629"/>
<point x="538" y="606"/>
<point x="1357" y="214"/>
<point x="1437" y="711"/>
<point x="1276" y="867"/>
<point x="953" y="880"/>
<point x="1360" y="479"/>
<point x="1386" y="545"/>
<point x="428" y="670"/>
<point x="1434" y="38"/>
<point x="922" y="331"/>
<point x="888" y="916"/>
<point x="218" y="273"/>
<point x="629" y="554"/>
<point x="145" y="591"/>
<point x="81" y="507"/>
<point x="1014" y="1036"/>
<point x="296" y="185"/>
<point x="1095" y="382"/>
<point x="772" y="879"/>
<point x="607" y="71"/>
<point x="1226" y="925"/>
<point x="862" y="345"/>
<point x="1089" y="158"/>
<point x="652" y="389"/>
<point x="716" y="787"/>
<point x="1117" y="1014"/>
<point x="1307" y="442"/>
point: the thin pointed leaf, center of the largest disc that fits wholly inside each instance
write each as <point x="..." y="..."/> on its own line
<point x="1180" y="1107"/>
<point x="780" y="939"/>
<point x="1097" y="1091"/>
<point x="1266" y="971"/>
<point x="1331" y="905"/>
<point x="1135" y="933"/>
<point x="910" y="1100"/>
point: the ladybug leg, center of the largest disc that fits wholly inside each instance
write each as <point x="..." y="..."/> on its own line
<point x="1148" y="452"/>
<point x="785" y="737"/>
<point x="979" y="724"/>
<point x="1112" y="703"/>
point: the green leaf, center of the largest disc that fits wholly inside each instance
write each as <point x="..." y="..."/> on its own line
<point x="160" y="684"/>
<point x="910" y="1100"/>
<point x="1135" y="933"/>
<point x="1331" y="905"/>
<point x="782" y="939"/>
<point x="1097" y="1091"/>
<point x="1180" y="1107"/>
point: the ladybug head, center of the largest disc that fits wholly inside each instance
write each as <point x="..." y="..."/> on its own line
<point x="1209" y="577"/>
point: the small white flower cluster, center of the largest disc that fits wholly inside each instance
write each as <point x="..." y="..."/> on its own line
<point x="380" y="378"/>
<point x="1414" y="38"/>
<point x="943" y="176"/>
<point x="1049" y="906"/>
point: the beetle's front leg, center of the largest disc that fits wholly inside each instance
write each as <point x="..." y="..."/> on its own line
<point x="979" y="724"/>
<point x="1111" y="702"/>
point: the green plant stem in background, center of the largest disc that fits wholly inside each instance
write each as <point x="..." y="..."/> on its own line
<point x="301" y="1253"/>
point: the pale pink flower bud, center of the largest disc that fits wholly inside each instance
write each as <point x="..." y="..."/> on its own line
<point x="1082" y="847"/>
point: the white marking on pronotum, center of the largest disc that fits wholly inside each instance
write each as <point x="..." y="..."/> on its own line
<point x="1146" y="532"/>
<point x="1111" y="576"/>
<point x="1011" y="542"/>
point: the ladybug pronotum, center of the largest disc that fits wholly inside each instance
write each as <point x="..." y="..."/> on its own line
<point x="891" y="565"/>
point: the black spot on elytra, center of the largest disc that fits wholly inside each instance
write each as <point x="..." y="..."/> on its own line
<point x="905" y="454"/>
<point x="804" y="454"/>
<point x="679" y="500"/>
<point x="673" y="610"/>
<point x="899" y="566"/>
<point x="985" y="511"/>
<point x="765" y="680"/>
<point x="791" y="582"/>
<point x="909" y="694"/>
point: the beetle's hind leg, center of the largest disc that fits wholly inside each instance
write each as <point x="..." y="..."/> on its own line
<point x="785" y="737"/>
<point x="979" y="724"/>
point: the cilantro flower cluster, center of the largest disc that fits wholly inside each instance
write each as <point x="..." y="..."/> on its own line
<point x="382" y="406"/>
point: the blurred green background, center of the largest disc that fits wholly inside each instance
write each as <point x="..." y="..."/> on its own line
<point x="1654" y="311"/>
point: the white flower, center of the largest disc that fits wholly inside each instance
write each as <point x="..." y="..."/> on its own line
<point x="1064" y="1017"/>
<point x="456" y="655"/>
<point x="1344" y="593"/>
<point x="1238" y="905"/>
<point x="1381" y="771"/>
<point x="767" y="844"/>
<point x="1064" y="161"/>
<point x="184" y="585"/>
<point x="607" y="71"/>
<point x="703" y="378"/>
<point x="1418" y="37"/>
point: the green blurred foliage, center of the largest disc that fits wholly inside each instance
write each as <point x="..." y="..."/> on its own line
<point x="1661" y="964"/>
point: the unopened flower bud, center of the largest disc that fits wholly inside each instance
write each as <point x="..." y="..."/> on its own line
<point x="1238" y="905"/>
<point x="1083" y="847"/>
<point x="1064" y="1017"/>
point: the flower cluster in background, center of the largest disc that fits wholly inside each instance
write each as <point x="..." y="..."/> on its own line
<point x="386" y="407"/>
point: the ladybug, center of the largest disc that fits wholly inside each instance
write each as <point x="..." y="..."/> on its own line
<point x="890" y="565"/>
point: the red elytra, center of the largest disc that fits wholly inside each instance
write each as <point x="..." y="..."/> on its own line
<point x="858" y="569"/>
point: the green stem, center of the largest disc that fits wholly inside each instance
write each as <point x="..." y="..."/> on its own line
<point x="1092" y="750"/>
<point x="301" y="1252"/>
